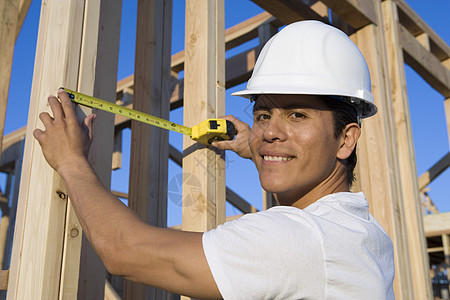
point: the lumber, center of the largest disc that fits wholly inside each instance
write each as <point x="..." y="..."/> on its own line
<point x="13" y="194"/>
<point x="416" y="25"/>
<point x="432" y="173"/>
<point x="38" y="240"/>
<point x="428" y="66"/>
<point x="437" y="224"/>
<point x="405" y="156"/>
<point x="4" y="276"/>
<point x="23" y="10"/>
<point x="65" y="57"/>
<point x="98" y="77"/>
<point x="377" y="164"/>
<point x="289" y="11"/>
<point x="235" y="35"/>
<point x="357" y="13"/>
<point x="204" y="98"/>
<point x="9" y="10"/>
<point x="447" y="116"/>
<point x="149" y="144"/>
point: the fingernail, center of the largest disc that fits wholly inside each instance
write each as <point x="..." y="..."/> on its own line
<point x="60" y="90"/>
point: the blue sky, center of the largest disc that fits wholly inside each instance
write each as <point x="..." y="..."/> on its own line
<point x="426" y="106"/>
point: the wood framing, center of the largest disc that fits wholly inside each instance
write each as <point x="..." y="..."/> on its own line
<point x="377" y="155"/>
<point x="406" y="157"/>
<point x="150" y="145"/>
<point x="9" y="10"/>
<point x="78" y="48"/>
<point x="437" y="224"/>
<point x="204" y="97"/>
<point x="45" y="242"/>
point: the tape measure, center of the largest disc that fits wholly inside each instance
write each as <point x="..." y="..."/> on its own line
<point x="205" y="132"/>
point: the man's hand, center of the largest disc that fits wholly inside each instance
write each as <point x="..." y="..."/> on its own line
<point x="64" y="141"/>
<point x="240" y="143"/>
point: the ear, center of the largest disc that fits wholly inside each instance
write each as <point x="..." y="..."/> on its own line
<point x="348" y="140"/>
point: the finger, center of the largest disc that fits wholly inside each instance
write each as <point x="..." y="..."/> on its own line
<point x="223" y="145"/>
<point x="67" y="105"/>
<point x="87" y="124"/>
<point x="37" y="133"/>
<point x="45" y="118"/>
<point x="58" y="113"/>
<point x="238" y="124"/>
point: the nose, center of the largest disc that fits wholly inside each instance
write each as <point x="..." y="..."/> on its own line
<point x="274" y="130"/>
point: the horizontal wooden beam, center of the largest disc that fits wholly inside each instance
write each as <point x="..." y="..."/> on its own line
<point x="357" y="13"/>
<point x="288" y="11"/>
<point x="416" y="25"/>
<point x="436" y="224"/>
<point x="424" y="63"/>
<point x="234" y="36"/>
<point x="426" y="178"/>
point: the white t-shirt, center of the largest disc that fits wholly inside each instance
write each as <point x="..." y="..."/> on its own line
<point x="333" y="249"/>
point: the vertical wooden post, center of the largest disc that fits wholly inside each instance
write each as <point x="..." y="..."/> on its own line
<point x="377" y="156"/>
<point x="9" y="12"/>
<point x="405" y="156"/>
<point x="150" y="145"/>
<point x="204" y="97"/>
<point x="38" y="240"/>
<point x="98" y="77"/>
<point x="43" y="252"/>
<point x="447" y="116"/>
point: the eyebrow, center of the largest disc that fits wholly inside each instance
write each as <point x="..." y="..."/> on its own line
<point x="291" y="106"/>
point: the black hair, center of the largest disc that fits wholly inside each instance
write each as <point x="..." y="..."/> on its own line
<point x="344" y="114"/>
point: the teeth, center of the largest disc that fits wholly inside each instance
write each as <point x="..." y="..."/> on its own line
<point x="276" y="158"/>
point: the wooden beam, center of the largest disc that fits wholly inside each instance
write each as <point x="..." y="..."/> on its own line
<point x="289" y="11"/>
<point x="423" y="62"/>
<point x="437" y="224"/>
<point x="40" y="250"/>
<point x="38" y="241"/>
<point x="377" y="157"/>
<point x="98" y="77"/>
<point x="4" y="276"/>
<point x="204" y="97"/>
<point x="149" y="144"/>
<point x="416" y="25"/>
<point x="426" y="178"/>
<point x="9" y="10"/>
<point x="406" y="157"/>
<point x="357" y="13"/>
<point x="235" y="35"/>
<point x="23" y="10"/>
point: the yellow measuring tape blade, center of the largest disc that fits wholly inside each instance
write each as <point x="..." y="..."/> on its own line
<point x="126" y="112"/>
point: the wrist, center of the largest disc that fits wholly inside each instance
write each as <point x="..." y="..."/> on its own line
<point x="73" y="165"/>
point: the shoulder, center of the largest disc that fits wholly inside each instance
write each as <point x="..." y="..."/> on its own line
<point x="244" y="253"/>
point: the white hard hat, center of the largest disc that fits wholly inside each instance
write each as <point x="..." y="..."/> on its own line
<point x="312" y="58"/>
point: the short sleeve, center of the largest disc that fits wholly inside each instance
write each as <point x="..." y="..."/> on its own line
<point x="275" y="254"/>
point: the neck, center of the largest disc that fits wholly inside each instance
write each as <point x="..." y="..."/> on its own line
<point x="336" y="182"/>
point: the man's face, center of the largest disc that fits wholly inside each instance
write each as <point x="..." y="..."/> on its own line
<point x="292" y="144"/>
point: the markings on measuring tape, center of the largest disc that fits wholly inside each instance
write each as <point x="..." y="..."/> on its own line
<point x="205" y="132"/>
<point x="126" y="112"/>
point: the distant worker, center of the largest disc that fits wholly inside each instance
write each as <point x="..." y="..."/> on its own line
<point x="311" y="88"/>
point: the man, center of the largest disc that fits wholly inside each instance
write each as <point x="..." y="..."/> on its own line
<point x="311" y="87"/>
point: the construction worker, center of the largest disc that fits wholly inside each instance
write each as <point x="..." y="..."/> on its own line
<point x="311" y="88"/>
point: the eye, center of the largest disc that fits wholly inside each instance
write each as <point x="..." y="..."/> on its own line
<point x="297" y="115"/>
<point x="261" y="116"/>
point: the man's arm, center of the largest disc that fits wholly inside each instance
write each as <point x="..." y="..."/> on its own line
<point x="168" y="259"/>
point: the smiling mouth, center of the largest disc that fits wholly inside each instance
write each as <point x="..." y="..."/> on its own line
<point x="276" y="158"/>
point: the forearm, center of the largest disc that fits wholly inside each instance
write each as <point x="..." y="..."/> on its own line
<point x="103" y="217"/>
